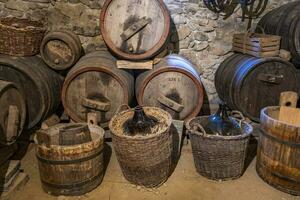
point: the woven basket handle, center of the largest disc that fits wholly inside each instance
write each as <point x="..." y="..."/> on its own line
<point x="197" y="126"/>
<point x="122" y="108"/>
<point x="239" y="116"/>
<point x="249" y="33"/>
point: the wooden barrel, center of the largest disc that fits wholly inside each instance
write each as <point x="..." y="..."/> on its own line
<point x="173" y="85"/>
<point x="13" y="112"/>
<point x="249" y="84"/>
<point x="39" y="85"/>
<point x="285" y="22"/>
<point x="61" y="49"/>
<point x="96" y="85"/>
<point x="278" y="152"/>
<point x="135" y="30"/>
<point x="73" y="169"/>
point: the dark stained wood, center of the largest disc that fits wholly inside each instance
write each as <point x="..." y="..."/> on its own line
<point x="39" y="85"/>
<point x="74" y="134"/>
<point x="248" y="84"/>
<point x="135" y="30"/>
<point x="95" y="84"/>
<point x="278" y="152"/>
<point x="61" y="49"/>
<point x="173" y="85"/>
<point x="285" y="22"/>
<point x="13" y="112"/>
<point x="70" y="170"/>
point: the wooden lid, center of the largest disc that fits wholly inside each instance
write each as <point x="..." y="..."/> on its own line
<point x="133" y="29"/>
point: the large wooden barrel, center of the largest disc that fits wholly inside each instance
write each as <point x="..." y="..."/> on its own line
<point x="13" y="112"/>
<point x="173" y="85"/>
<point x="135" y="30"/>
<point x="278" y="152"/>
<point x="248" y="84"/>
<point x="70" y="169"/>
<point x="61" y="49"/>
<point x="285" y="22"/>
<point x="39" y="85"/>
<point x="96" y="85"/>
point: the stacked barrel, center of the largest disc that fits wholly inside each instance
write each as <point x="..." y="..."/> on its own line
<point x="253" y="85"/>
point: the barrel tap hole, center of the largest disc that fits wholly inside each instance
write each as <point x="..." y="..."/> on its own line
<point x="288" y="104"/>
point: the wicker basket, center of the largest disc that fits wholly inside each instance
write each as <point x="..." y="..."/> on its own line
<point x="20" y="37"/>
<point x="219" y="157"/>
<point x="144" y="160"/>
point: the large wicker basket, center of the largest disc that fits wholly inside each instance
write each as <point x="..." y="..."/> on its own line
<point x="219" y="157"/>
<point x="20" y="37"/>
<point x="144" y="160"/>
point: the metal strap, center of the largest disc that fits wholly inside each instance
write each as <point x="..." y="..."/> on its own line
<point x="72" y="185"/>
<point x="264" y="133"/>
<point x="67" y="162"/>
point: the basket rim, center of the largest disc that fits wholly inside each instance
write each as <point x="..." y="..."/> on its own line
<point x="38" y="26"/>
<point x="219" y="137"/>
<point x="141" y="137"/>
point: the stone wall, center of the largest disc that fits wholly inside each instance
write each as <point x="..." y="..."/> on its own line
<point x="203" y="36"/>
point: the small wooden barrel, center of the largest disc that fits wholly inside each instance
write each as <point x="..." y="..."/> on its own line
<point x="264" y="78"/>
<point x="13" y="112"/>
<point x="96" y="85"/>
<point x="40" y="86"/>
<point x="61" y="49"/>
<point x="144" y="160"/>
<point x="173" y="85"/>
<point x="285" y="22"/>
<point x="70" y="170"/>
<point x="278" y="152"/>
<point x="135" y="30"/>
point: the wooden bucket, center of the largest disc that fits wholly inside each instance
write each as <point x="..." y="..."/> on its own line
<point x="278" y="152"/>
<point x="72" y="169"/>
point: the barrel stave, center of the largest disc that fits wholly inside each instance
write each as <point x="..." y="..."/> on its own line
<point x="169" y="86"/>
<point x="278" y="152"/>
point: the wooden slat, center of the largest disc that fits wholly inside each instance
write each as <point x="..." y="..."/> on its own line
<point x="257" y="44"/>
<point x="255" y="48"/>
<point x="289" y="115"/>
<point x="257" y="54"/>
<point x="124" y="64"/>
<point x="288" y="99"/>
<point x="258" y="37"/>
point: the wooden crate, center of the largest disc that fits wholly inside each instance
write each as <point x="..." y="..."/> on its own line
<point x="256" y="44"/>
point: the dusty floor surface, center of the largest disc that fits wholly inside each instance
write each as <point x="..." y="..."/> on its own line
<point x="184" y="184"/>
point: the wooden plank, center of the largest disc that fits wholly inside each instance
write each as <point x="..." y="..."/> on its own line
<point x="17" y="185"/>
<point x="257" y="54"/>
<point x="289" y="115"/>
<point x="258" y="49"/>
<point x="264" y="38"/>
<point x="284" y="54"/>
<point x="124" y="64"/>
<point x="12" y="123"/>
<point x="257" y="44"/>
<point x="135" y="28"/>
<point x="288" y="99"/>
<point x="51" y="121"/>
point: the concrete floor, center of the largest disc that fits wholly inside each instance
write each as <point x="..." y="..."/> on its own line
<point x="184" y="183"/>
